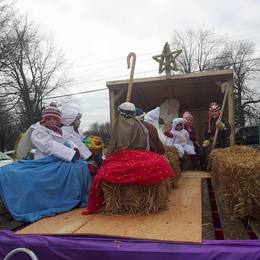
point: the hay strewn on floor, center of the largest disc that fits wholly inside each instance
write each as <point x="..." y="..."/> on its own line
<point x="237" y="170"/>
<point x="135" y="199"/>
<point x="171" y="154"/>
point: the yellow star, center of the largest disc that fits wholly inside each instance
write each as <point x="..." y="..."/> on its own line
<point x="167" y="59"/>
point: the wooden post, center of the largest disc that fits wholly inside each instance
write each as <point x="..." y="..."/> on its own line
<point x="112" y="108"/>
<point x="130" y="84"/>
<point x="231" y="112"/>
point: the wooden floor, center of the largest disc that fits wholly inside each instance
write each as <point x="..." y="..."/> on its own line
<point x="182" y="222"/>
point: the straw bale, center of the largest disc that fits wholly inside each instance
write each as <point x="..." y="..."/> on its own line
<point x="237" y="171"/>
<point x="135" y="199"/>
<point x="171" y="154"/>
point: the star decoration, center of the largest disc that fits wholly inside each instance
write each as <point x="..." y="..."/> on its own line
<point x="167" y="59"/>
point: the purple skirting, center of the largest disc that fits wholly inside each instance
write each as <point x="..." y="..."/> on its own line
<point x="50" y="247"/>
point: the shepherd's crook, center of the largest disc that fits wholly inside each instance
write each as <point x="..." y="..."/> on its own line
<point x="130" y="84"/>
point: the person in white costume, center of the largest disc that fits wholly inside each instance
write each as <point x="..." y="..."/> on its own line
<point x="153" y="117"/>
<point x="71" y="122"/>
<point x="47" y="137"/>
<point x="55" y="182"/>
<point x="181" y="139"/>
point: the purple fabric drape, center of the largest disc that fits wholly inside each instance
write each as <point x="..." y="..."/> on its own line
<point x="54" y="247"/>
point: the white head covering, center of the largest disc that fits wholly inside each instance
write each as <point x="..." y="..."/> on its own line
<point x="127" y="107"/>
<point x="177" y="121"/>
<point x="69" y="114"/>
<point x="153" y="117"/>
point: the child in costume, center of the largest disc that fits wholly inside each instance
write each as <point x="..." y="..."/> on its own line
<point x="56" y="181"/>
<point x="180" y="138"/>
<point x="71" y="123"/>
<point x="48" y="139"/>
<point x="188" y="120"/>
<point x="212" y="124"/>
<point x="96" y="146"/>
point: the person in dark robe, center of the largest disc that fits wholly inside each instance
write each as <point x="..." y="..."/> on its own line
<point x="128" y="132"/>
<point x="223" y="135"/>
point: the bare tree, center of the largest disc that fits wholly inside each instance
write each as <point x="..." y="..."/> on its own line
<point x="31" y="71"/>
<point x="200" y="49"/>
<point x="203" y="50"/>
<point x="240" y="56"/>
<point x="8" y="129"/>
<point x="6" y="14"/>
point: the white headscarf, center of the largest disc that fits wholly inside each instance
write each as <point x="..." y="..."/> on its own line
<point x="69" y="114"/>
<point x="177" y="121"/>
<point x="152" y="117"/>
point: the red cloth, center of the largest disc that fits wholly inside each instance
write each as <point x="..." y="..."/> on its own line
<point x="191" y="131"/>
<point x="128" y="167"/>
<point x="209" y="120"/>
<point x="92" y="167"/>
<point x="168" y="134"/>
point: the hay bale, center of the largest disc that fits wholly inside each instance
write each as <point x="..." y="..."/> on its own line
<point x="171" y="154"/>
<point x="135" y="199"/>
<point x="237" y="171"/>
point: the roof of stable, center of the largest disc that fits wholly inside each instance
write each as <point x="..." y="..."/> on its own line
<point x="193" y="90"/>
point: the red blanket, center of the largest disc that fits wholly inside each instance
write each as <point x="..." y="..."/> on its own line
<point x="128" y="167"/>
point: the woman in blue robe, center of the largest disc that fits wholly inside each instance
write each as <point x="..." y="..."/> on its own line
<point x="56" y="181"/>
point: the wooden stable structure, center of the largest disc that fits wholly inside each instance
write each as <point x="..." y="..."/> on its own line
<point x="195" y="91"/>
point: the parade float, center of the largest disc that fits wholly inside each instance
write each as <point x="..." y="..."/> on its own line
<point x="209" y="215"/>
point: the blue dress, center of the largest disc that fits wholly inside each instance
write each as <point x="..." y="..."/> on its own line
<point x="33" y="189"/>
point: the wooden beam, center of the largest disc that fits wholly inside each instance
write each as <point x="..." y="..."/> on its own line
<point x="112" y="108"/>
<point x="218" y="75"/>
<point x="231" y="112"/>
<point x="207" y="222"/>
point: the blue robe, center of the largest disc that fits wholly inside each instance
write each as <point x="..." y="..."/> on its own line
<point x="33" y="189"/>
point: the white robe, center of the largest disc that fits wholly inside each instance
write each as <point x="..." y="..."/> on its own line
<point x="69" y="134"/>
<point x="49" y="142"/>
<point x="152" y="117"/>
<point x="181" y="139"/>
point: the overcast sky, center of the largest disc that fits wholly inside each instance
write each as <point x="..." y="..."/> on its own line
<point x="91" y="33"/>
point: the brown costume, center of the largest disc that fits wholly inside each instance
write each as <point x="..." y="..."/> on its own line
<point x="155" y="143"/>
<point x="127" y="133"/>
